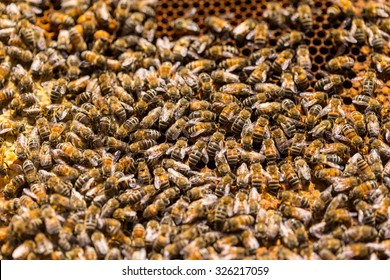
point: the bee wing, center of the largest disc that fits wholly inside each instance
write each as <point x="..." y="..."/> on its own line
<point x="328" y="86"/>
<point x="205" y="156"/>
<point x="324" y="111"/>
<point x="157" y="182"/>
<point x="304" y="172"/>
<point x="286" y="63"/>
<point x="250" y="35"/>
<point x="382" y="13"/>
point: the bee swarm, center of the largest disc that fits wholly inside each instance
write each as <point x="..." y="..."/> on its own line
<point x="173" y="130"/>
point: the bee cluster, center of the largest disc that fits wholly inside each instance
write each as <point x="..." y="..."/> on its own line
<point x="129" y="144"/>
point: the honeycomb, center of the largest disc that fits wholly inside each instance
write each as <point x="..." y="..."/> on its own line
<point x="320" y="45"/>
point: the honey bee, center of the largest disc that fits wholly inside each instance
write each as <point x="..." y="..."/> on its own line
<point x="127" y="127"/>
<point x="140" y="146"/>
<point x="373" y="10"/>
<point x="24" y="250"/>
<point x="241" y="31"/>
<point x="205" y="65"/>
<point x="275" y="14"/>
<point x="290" y="39"/>
<point x="218" y="25"/>
<point x="369" y="82"/>
<point x="242" y="118"/>
<point x="375" y="162"/>
<point x="362" y="190"/>
<point x="237" y="223"/>
<point x="198" y="152"/>
<point x="76" y="38"/>
<point x="380" y="146"/>
<point x="144" y="175"/>
<point x="259" y="34"/>
<point x="51" y="221"/>
<point x="356" y="250"/>
<point x="201" y="128"/>
<point x="221" y="76"/>
<point x="5" y="70"/>
<point x="291" y="109"/>
<point x="381" y="213"/>
<point x="100" y="243"/>
<point x="331" y="83"/>
<point x="223" y="210"/>
<point x="166" y="115"/>
<point x="234" y="63"/>
<point x="283" y="60"/>
<point x="154" y="209"/>
<point x="78" y="85"/>
<point x="185" y="25"/>
<point x="214" y="145"/>
<point x="259" y="74"/>
<point x="340" y="63"/>
<point x="241" y="205"/>
<point x="157" y="151"/>
<point x="229" y="113"/>
<point x="342" y="37"/>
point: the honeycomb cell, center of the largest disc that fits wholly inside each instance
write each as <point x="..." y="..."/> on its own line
<point x="313" y="50"/>
<point x="324" y="50"/>
<point x="347" y="100"/>
<point x="361" y="58"/>
<point x="317" y="42"/>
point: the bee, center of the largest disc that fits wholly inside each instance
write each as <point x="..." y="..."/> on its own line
<point x="241" y="31"/>
<point x="150" y="119"/>
<point x="361" y="191"/>
<point x="5" y="70"/>
<point x="223" y="77"/>
<point x="381" y="213"/>
<point x="380" y="146"/>
<point x="117" y="109"/>
<point x="269" y="150"/>
<point x="275" y="14"/>
<point x="303" y="170"/>
<point x="283" y="60"/>
<point x="280" y="139"/>
<point x="185" y="25"/>
<point x="201" y="128"/>
<point x="154" y="209"/>
<point x="166" y="115"/>
<point x="198" y="152"/>
<point x="333" y="109"/>
<point x="342" y="37"/>
<point x="6" y="94"/>
<point x="14" y="186"/>
<point x="375" y="162"/>
<point x="369" y="102"/>
<point x="24" y="56"/>
<point x="237" y="223"/>
<point x="291" y="109"/>
<point x="243" y="176"/>
<point x="330" y="84"/>
<point x="350" y="133"/>
<point x="300" y="78"/>
<point x="232" y="153"/>
<point x="218" y="25"/>
<point x="223" y="187"/>
<point x="243" y="117"/>
<point x="247" y="136"/>
<point x="357" y="234"/>
<point x="30" y="172"/>
<point x="381" y="63"/>
<point x="376" y="37"/>
<point x="257" y="178"/>
<point x="220" y="51"/>
<point x="157" y="151"/>
<point x="52" y="223"/>
<point x="369" y="82"/>
<point x="356" y="250"/>
<point x="58" y="18"/>
<point x="297" y="213"/>
<point x="127" y="127"/>
<point x="273" y="174"/>
<point x="260" y="129"/>
<point x="76" y="38"/>
<point x="24" y="250"/>
<point x="260" y="73"/>
<point x="144" y="175"/>
<point x="78" y="85"/>
<point x="259" y="34"/>
<point x="228" y="113"/>
<point x="140" y="146"/>
<point x="234" y="63"/>
<point x="290" y="40"/>
<point x="341" y="7"/>
<point x="100" y="243"/>
<point x="340" y="63"/>
<point x="201" y="65"/>
<point x="216" y="140"/>
<point x="326" y="174"/>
